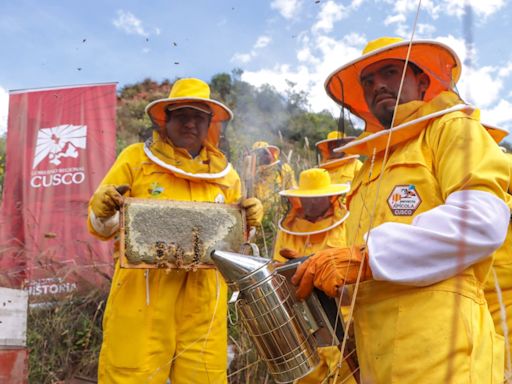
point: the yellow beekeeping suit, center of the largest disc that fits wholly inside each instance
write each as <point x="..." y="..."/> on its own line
<point x="345" y="171"/>
<point x="498" y="290"/>
<point x="157" y="320"/>
<point x="305" y="238"/>
<point x="444" y="329"/>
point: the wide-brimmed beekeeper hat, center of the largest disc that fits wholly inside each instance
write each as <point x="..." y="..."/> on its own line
<point x="315" y="182"/>
<point x="322" y="146"/>
<point x="437" y="60"/>
<point x="262" y="145"/>
<point x="190" y="93"/>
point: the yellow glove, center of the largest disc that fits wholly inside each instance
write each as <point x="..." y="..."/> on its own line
<point x="329" y="269"/>
<point x="108" y="199"/>
<point x="253" y="211"/>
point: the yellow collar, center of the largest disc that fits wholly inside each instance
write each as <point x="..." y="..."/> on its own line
<point x="209" y="164"/>
<point x="335" y="163"/>
<point x="410" y="119"/>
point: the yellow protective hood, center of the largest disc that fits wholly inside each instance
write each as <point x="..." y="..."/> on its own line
<point x="191" y="91"/>
<point x="331" y="164"/>
<point x="259" y="145"/>
<point x="292" y="224"/>
<point x="210" y="164"/>
<point x="410" y="119"/>
<point x="266" y="169"/>
<point x="334" y="138"/>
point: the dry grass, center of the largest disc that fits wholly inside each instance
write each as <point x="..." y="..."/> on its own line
<point x="64" y="337"/>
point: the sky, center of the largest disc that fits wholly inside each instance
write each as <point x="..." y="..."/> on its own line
<point x="49" y="43"/>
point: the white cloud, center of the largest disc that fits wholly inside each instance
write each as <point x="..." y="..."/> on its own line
<point x="402" y="7"/>
<point x="403" y="29"/>
<point x="459" y="46"/>
<point x="499" y="115"/>
<point x="425" y="30"/>
<point x="356" y="3"/>
<point x="506" y="70"/>
<point x="287" y="8"/>
<point x="482" y="8"/>
<point x="305" y="54"/>
<point x="4" y="108"/>
<point x="435" y="8"/>
<point x="481" y="86"/>
<point x="319" y="56"/>
<point x="393" y="19"/>
<point x="328" y="15"/>
<point x="262" y="42"/>
<point x="244" y="58"/>
<point x="129" y="23"/>
<point x="355" y="39"/>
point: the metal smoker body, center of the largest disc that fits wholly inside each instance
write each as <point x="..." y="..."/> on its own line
<point x="281" y="328"/>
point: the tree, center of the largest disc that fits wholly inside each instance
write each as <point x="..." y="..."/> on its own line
<point x="133" y="124"/>
<point x="221" y="85"/>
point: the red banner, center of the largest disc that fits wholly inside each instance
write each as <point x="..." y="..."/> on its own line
<point x="60" y="144"/>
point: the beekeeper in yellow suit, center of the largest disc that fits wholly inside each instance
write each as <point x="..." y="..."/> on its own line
<point x="341" y="167"/>
<point x="160" y="324"/>
<point x="314" y="222"/>
<point x="498" y="288"/>
<point x="315" y="218"/>
<point x="272" y="175"/>
<point x="423" y="225"/>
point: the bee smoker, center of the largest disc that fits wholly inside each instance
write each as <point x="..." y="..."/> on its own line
<point x="285" y="332"/>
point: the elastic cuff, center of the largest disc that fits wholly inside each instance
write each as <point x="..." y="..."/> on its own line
<point x="105" y="226"/>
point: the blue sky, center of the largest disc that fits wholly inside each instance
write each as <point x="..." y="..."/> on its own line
<point x="50" y="42"/>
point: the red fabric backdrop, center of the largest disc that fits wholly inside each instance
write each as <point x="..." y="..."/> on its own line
<point x="60" y="143"/>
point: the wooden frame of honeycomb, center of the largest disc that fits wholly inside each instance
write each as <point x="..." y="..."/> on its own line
<point x="177" y="234"/>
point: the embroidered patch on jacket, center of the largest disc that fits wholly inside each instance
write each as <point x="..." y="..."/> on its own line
<point x="155" y="189"/>
<point x="404" y="200"/>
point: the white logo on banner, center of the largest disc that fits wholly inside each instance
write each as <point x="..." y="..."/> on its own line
<point x="59" y="141"/>
<point x="56" y="143"/>
<point x="50" y="285"/>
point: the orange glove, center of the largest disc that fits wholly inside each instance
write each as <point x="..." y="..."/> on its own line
<point x="107" y="199"/>
<point x="289" y="254"/>
<point x="329" y="269"/>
